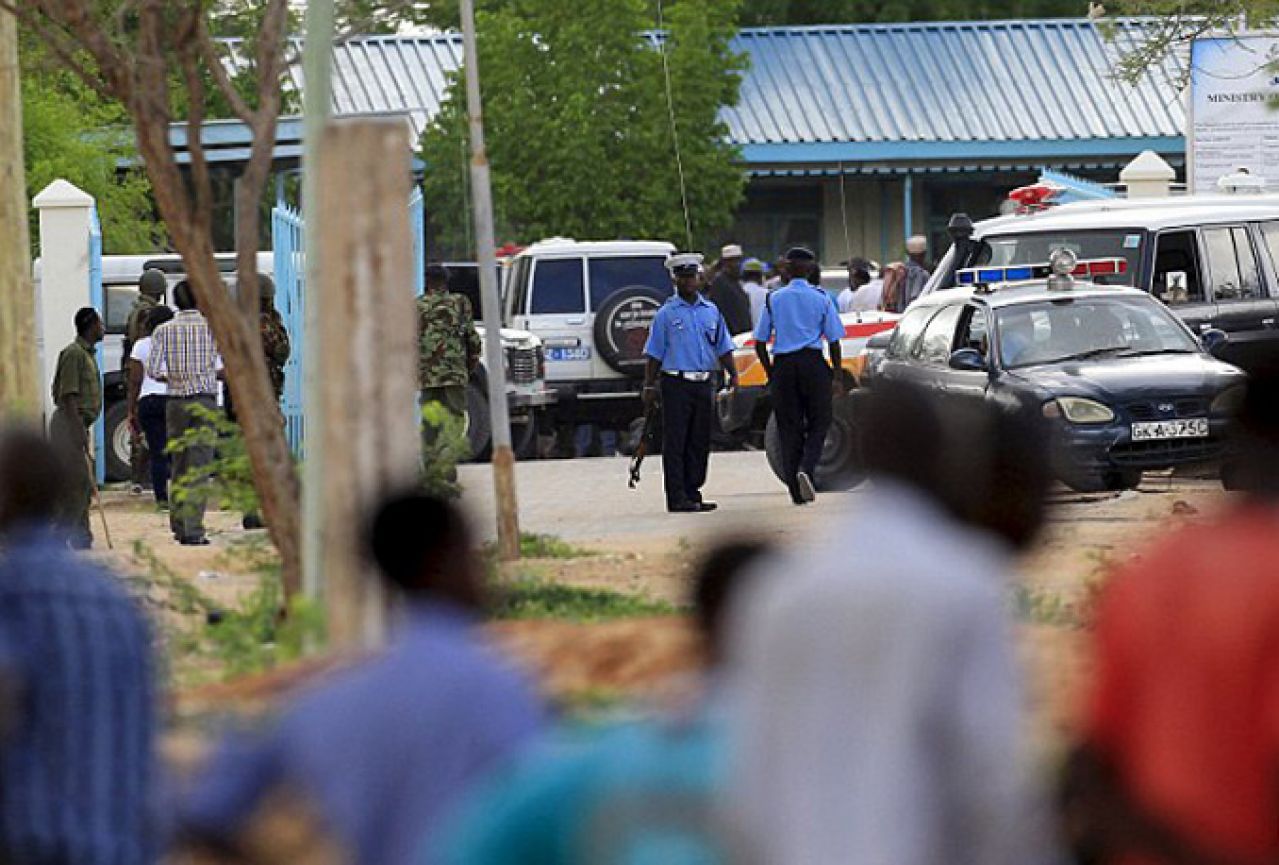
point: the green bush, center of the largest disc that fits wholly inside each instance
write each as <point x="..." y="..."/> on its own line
<point x="532" y="598"/>
<point x="444" y="445"/>
<point x="227" y="481"/>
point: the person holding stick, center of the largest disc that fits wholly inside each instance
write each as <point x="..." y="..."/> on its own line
<point x="77" y="393"/>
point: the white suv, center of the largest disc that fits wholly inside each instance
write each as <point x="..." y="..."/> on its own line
<point x="591" y="304"/>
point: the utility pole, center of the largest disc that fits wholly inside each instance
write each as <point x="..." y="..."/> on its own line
<point x="19" y="384"/>
<point x="508" y="524"/>
<point x="317" y="67"/>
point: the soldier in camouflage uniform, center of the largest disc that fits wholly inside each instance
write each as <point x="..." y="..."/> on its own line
<point x="151" y="289"/>
<point x="448" y="342"/>
<point x="275" y="339"/>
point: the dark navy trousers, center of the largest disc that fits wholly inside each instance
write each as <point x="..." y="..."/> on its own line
<point x="686" y="437"/>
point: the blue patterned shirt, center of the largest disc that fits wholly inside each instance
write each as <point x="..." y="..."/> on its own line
<point x="76" y="767"/>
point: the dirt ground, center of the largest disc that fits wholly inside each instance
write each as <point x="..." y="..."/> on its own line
<point x="1086" y="537"/>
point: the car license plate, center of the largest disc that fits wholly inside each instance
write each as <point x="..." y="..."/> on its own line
<point x="556" y="354"/>
<point x="1190" y="428"/>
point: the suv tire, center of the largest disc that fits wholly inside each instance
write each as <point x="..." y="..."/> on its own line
<point x="116" y="436"/>
<point x="621" y="327"/>
<point x="479" y="422"/>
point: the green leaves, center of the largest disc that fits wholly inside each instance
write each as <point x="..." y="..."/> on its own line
<point x="578" y="128"/>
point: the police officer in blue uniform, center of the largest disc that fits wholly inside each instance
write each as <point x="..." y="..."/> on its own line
<point x="801" y="315"/>
<point x="687" y="342"/>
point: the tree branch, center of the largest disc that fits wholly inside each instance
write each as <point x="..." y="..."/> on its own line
<point x="60" y="44"/>
<point x="208" y="50"/>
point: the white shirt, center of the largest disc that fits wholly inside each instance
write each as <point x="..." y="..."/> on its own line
<point x="878" y="700"/>
<point x="759" y="296"/>
<point x="865" y="299"/>
<point x="150" y="387"/>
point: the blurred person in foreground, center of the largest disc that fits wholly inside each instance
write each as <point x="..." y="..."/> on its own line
<point x="1179" y="759"/>
<point x="641" y="792"/>
<point x="77" y="706"/>
<point x="879" y="702"/>
<point x="384" y="750"/>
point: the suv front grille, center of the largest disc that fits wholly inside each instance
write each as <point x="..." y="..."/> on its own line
<point x="1181" y="407"/>
<point x="525" y="364"/>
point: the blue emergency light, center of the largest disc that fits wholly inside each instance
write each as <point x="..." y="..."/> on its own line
<point x="1067" y="267"/>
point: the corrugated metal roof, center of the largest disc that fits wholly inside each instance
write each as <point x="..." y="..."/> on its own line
<point x="891" y="88"/>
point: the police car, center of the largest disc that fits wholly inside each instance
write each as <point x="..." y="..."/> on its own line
<point x="1126" y="385"/>
<point x="1213" y="259"/>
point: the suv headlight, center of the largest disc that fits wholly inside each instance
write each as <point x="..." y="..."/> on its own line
<point x="1078" y="410"/>
<point x="1229" y="401"/>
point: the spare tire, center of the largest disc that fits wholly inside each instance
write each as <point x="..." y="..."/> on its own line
<point x="621" y="327"/>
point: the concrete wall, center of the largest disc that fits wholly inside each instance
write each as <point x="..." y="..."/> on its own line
<point x="874" y="209"/>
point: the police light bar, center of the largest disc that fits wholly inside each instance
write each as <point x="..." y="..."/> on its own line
<point x="1022" y="272"/>
<point x="1037" y="196"/>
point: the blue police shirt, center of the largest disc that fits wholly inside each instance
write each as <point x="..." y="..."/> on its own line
<point x="688" y="337"/>
<point x="802" y="315"/>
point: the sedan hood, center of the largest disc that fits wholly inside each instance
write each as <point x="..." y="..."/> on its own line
<point x="1125" y="378"/>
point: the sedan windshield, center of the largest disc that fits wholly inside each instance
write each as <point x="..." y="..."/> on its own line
<point x="1069" y="329"/>
<point x="1034" y="248"/>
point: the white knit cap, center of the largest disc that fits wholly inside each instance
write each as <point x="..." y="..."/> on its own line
<point x="917" y="244"/>
<point x="731" y="251"/>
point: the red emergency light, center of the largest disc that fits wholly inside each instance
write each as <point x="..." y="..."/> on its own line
<point x="1037" y="196"/>
<point x="1101" y="267"/>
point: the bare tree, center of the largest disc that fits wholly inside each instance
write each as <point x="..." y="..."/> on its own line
<point x="152" y="56"/>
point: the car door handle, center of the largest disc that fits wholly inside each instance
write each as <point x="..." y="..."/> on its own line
<point x="1205" y="326"/>
<point x="575" y="321"/>
<point x="1267" y="322"/>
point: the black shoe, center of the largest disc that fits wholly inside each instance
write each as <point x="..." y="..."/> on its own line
<point x="706" y="507"/>
<point x="804" y="485"/>
<point x="194" y="541"/>
<point x="684" y="508"/>
<point x="252" y="521"/>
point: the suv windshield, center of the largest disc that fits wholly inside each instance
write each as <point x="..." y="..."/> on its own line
<point x="610" y="275"/>
<point x="1059" y="330"/>
<point x="1125" y="243"/>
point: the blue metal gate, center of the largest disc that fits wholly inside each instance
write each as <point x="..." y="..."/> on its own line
<point x="289" y="253"/>
<point x="97" y="301"/>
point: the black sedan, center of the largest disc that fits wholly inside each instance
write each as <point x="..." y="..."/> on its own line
<point x="1126" y="386"/>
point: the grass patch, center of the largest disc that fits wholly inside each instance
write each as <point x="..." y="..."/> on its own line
<point x="532" y="598"/>
<point x="1047" y="608"/>
<point x="539" y="546"/>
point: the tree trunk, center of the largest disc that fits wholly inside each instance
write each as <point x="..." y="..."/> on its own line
<point x="240" y="345"/>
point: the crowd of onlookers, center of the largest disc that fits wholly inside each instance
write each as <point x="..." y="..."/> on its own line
<point x="860" y="701"/>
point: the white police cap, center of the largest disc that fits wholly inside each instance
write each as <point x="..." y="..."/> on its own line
<point x="684" y="262"/>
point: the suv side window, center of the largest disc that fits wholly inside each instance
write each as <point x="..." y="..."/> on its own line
<point x="907" y="332"/>
<point x="974" y="332"/>
<point x="609" y="275"/>
<point x="1270" y="236"/>
<point x="558" y="288"/>
<point x="1232" y="265"/>
<point x="1176" y="252"/>
<point x="939" y="336"/>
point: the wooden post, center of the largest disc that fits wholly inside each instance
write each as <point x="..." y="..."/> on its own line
<point x="19" y="384"/>
<point x="367" y="319"/>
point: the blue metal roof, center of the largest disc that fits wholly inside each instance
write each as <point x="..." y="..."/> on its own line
<point x="972" y="91"/>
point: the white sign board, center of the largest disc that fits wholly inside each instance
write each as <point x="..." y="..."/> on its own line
<point x="1234" y="109"/>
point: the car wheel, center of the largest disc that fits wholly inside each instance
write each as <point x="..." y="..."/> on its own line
<point x="621" y="327"/>
<point x="842" y="466"/>
<point x="118" y="435"/>
<point x="478" y="423"/>
<point x="1125" y="480"/>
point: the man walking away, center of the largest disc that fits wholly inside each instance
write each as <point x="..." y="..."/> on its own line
<point x="917" y="272"/>
<point x="449" y="343"/>
<point x="800" y="381"/>
<point x="687" y="342"/>
<point x="1179" y="761"/>
<point x="148" y="400"/>
<point x="726" y="291"/>
<point x="385" y="750"/>
<point x="858" y="278"/>
<point x="77" y="701"/>
<point x="77" y="393"/>
<point x="151" y="288"/>
<point x="753" y="285"/>
<point x="184" y="357"/>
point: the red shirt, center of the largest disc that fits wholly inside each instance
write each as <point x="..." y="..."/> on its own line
<point x="1186" y="700"/>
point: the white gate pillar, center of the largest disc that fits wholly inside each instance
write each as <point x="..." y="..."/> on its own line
<point x="62" y="284"/>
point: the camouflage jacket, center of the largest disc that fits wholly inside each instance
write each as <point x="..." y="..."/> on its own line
<point x="275" y="345"/>
<point x="448" y="343"/>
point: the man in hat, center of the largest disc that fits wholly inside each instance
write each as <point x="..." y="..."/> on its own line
<point x="917" y="272"/>
<point x="687" y="341"/>
<point x="77" y="393"/>
<point x="801" y="315"/>
<point x="726" y="291"/>
<point x="753" y="285"/>
<point x="151" y="288"/>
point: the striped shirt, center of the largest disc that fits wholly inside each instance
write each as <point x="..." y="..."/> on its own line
<point x="184" y="356"/>
<point x="76" y="769"/>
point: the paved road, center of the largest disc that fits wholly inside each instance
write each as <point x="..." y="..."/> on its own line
<point x="587" y="499"/>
